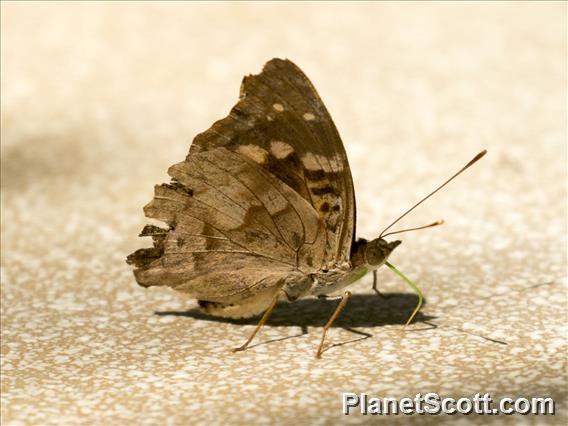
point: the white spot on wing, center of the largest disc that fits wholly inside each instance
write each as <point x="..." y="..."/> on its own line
<point x="310" y="161"/>
<point x="278" y="107"/>
<point x="308" y="116"/>
<point x="254" y="152"/>
<point x="315" y="162"/>
<point x="280" y="149"/>
<point x="337" y="163"/>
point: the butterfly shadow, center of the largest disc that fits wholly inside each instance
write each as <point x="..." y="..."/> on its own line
<point x="362" y="311"/>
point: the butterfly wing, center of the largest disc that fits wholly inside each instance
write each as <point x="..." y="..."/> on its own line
<point x="282" y="124"/>
<point x="264" y="196"/>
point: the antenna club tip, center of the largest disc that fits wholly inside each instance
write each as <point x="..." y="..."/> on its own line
<point x="481" y="154"/>
<point x="474" y="160"/>
<point x="440" y="222"/>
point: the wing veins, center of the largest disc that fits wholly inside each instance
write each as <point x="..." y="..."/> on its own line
<point x="302" y="177"/>
<point x="247" y="288"/>
<point x="305" y="124"/>
<point x="262" y="171"/>
<point x="260" y="201"/>
<point x="204" y="236"/>
<point x="212" y="129"/>
<point x="281" y="98"/>
<point x="230" y="251"/>
<point x="245" y="250"/>
<point x="221" y="232"/>
<point x="317" y="158"/>
<point x="347" y="185"/>
<point x="203" y="179"/>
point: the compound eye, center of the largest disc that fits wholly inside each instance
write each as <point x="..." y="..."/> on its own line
<point x="374" y="255"/>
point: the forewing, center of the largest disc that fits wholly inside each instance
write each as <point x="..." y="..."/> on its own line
<point x="281" y="123"/>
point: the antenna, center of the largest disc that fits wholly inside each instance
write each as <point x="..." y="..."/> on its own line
<point x="438" y="222"/>
<point x="471" y="163"/>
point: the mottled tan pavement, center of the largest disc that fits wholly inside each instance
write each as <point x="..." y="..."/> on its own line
<point x="99" y="99"/>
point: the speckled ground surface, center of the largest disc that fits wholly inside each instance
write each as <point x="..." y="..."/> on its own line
<point x="99" y="99"/>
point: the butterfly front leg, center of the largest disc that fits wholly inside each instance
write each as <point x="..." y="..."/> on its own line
<point x="375" y="282"/>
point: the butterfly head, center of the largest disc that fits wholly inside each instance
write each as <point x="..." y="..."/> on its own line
<point x="378" y="250"/>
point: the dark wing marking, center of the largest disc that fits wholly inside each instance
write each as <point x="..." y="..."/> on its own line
<point x="281" y="118"/>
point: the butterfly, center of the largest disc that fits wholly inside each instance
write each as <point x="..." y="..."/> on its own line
<point x="262" y="208"/>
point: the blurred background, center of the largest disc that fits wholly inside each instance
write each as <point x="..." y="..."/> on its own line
<point x="98" y="99"/>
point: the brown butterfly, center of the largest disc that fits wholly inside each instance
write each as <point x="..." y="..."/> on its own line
<point x="262" y="208"/>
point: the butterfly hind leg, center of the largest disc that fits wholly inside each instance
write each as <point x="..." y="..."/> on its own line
<point x="263" y="320"/>
<point x="333" y="317"/>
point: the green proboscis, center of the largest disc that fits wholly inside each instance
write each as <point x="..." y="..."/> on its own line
<point x="411" y="284"/>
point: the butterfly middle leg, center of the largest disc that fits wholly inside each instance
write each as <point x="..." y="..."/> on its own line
<point x="340" y="307"/>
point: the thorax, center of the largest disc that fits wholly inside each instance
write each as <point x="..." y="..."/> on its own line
<point x="333" y="281"/>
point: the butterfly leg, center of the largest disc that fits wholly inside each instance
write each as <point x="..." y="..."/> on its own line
<point x="336" y="313"/>
<point x="264" y="318"/>
<point x="375" y="289"/>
